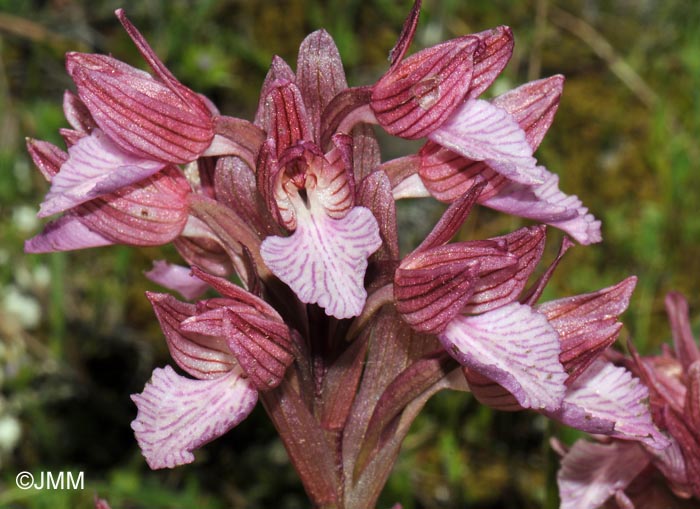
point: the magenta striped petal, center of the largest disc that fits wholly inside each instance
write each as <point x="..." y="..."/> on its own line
<point x="587" y="324"/>
<point x="591" y="473"/>
<point x="152" y="212"/>
<point x="47" y="157"/>
<point x="489" y="393"/>
<point x="533" y="106"/>
<point x="285" y="115"/>
<point x="66" y="233"/>
<point x="545" y="203"/>
<point x="320" y="75"/>
<point x="431" y="287"/>
<point x="145" y="117"/>
<point x="177" y="415"/>
<point x="418" y="94"/>
<point x="447" y="175"/>
<point x="95" y="167"/>
<point x="260" y="344"/>
<point x="202" y="356"/>
<point x="499" y="286"/>
<point x="334" y="186"/>
<point x="428" y="298"/>
<point x="279" y="72"/>
<point x="156" y="118"/>
<point x="607" y="393"/>
<point x="77" y="113"/>
<point x="514" y="346"/>
<point x="492" y="55"/>
<point x="481" y="131"/>
<point x="325" y="259"/>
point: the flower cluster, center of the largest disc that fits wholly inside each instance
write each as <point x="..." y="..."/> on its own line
<point x="340" y="338"/>
<point x="632" y="474"/>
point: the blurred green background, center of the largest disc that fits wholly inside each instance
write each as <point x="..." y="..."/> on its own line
<point x="78" y="336"/>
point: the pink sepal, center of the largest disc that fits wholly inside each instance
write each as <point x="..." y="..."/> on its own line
<point x="95" y="167"/>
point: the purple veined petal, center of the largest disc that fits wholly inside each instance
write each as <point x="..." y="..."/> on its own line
<point x="418" y="94"/>
<point x="587" y="324"/>
<point x="431" y="287"/>
<point x="591" y="473"/>
<point x="428" y="298"/>
<point x="320" y="75"/>
<point x="252" y="329"/>
<point x="481" y="131"/>
<point x="47" y="157"/>
<point x="447" y="175"/>
<point x="489" y="393"/>
<point x="203" y="356"/>
<point x="334" y="186"/>
<point x="76" y="113"/>
<point x="533" y="106"/>
<point x="142" y="115"/>
<point x="499" y="286"/>
<point x="178" y="278"/>
<point x="151" y="212"/>
<point x="66" y="233"/>
<point x="684" y="344"/>
<point x="545" y="203"/>
<point x="279" y="71"/>
<point x="514" y="346"/>
<point x="286" y="116"/>
<point x="177" y="415"/>
<point x="608" y="393"/>
<point x="490" y="58"/>
<point x="325" y="259"/>
<point x="95" y="167"/>
<point x="263" y="347"/>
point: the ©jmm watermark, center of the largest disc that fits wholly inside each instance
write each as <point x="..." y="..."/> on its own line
<point x="51" y="481"/>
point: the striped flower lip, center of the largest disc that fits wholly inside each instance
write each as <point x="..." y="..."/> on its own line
<point x="325" y="258"/>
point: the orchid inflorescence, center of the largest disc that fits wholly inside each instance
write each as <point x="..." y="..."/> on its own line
<point x="291" y="219"/>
